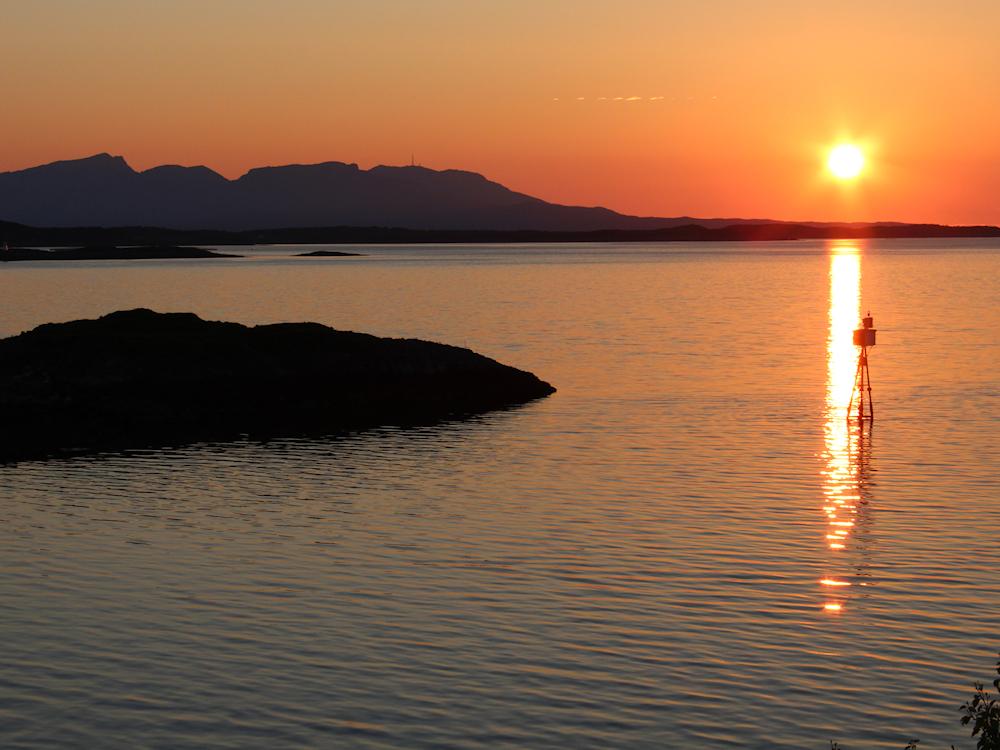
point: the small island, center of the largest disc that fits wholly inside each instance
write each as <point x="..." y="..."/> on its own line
<point x="139" y="378"/>
<point x="111" y="252"/>
<point x="328" y="254"/>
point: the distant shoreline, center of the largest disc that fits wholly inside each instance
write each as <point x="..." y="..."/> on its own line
<point x="106" y="252"/>
<point x="19" y="235"/>
<point x="134" y="252"/>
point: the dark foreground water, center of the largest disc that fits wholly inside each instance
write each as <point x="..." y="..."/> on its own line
<point x="687" y="546"/>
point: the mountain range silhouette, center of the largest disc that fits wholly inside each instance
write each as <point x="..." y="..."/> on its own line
<point x="102" y="200"/>
<point x="103" y="190"/>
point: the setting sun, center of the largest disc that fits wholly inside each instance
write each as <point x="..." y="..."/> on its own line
<point x="845" y="161"/>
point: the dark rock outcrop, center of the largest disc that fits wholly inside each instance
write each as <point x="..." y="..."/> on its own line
<point x="140" y="378"/>
<point x="106" y="252"/>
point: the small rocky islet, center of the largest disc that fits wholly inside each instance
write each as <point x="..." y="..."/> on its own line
<point x="328" y="254"/>
<point x="140" y="378"/>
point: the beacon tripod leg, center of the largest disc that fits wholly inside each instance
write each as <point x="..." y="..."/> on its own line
<point x="854" y="389"/>
<point x="861" y="387"/>
<point x="871" y="405"/>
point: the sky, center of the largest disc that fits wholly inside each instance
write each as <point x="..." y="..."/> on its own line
<point x="710" y="108"/>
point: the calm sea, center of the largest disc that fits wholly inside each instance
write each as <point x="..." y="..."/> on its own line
<point x="686" y="547"/>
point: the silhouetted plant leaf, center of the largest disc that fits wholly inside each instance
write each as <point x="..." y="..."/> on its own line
<point x="983" y="712"/>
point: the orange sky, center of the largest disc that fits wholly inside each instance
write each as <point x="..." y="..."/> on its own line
<point x="748" y="96"/>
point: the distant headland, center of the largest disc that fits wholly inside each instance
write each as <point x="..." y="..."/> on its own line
<point x="110" y="252"/>
<point x="102" y="200"/>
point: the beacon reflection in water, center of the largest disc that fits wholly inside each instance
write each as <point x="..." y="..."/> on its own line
<point x="847" y="446"/>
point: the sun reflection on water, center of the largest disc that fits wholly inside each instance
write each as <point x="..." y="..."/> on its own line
<point x="844" y="472"/>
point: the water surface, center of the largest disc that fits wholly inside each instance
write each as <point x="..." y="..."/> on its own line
<point x="686" y="546"/>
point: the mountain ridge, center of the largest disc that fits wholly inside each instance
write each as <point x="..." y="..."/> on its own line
<point x="103" y="190"/>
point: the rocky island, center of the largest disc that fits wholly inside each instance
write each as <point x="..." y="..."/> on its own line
<point x="140" y="378"/>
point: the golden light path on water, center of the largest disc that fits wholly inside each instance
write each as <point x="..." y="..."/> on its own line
<point x="841" y="478"/>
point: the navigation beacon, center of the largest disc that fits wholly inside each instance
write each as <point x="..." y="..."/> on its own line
<point x="864" y="337"/>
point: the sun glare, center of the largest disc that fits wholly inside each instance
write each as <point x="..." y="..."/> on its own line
<point x="845" y="161"/>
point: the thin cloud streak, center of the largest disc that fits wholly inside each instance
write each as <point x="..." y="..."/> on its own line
<point x="618" y="98"/>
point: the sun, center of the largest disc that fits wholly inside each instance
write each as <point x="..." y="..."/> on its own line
<point x="845" y="161"/>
